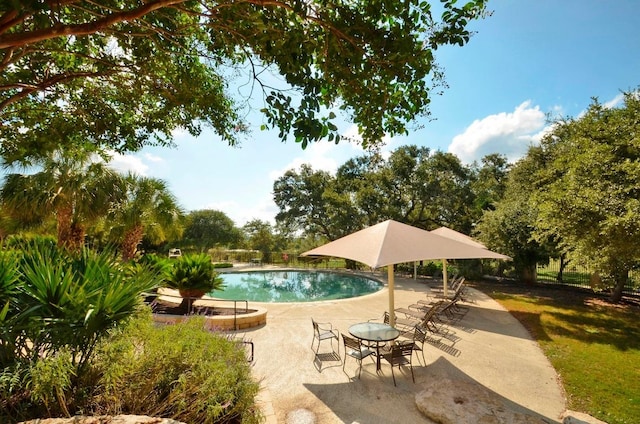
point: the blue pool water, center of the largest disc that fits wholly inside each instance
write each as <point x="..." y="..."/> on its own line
<point x="293" y="286"/>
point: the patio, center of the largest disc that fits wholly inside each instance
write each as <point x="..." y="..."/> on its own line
<point x="494" y="354"/>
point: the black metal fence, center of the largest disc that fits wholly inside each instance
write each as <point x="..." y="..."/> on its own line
<point x="575" y="275"/>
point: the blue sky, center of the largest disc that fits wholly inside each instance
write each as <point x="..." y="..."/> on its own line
<point x="529" y="59"/>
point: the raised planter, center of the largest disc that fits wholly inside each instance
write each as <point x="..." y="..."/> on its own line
<point x="226" y="322"/>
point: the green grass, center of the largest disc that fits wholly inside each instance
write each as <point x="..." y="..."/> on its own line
<point x="593" y="345"/>
<point x="568" y="277"/>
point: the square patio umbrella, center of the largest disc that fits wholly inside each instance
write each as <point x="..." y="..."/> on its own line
<point x="391" y="242"/>
<point x="455" y="235"/>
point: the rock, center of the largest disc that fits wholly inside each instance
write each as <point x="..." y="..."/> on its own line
<point x="461" y="402"/>
<point x="573" y="417"/>
<point x="105" y="419"/>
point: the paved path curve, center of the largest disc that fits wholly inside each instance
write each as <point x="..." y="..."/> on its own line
<point x="493" y="350"/>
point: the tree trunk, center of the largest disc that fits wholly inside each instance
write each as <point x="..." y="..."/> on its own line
<point x="563" y="264"/>
<point x="132" y="239"/>
<point x="188" y="297"/>
<point x="76" y="237"/>
<point x="528" y="274"/>
<point x="620" y="279"/>
<point x="185" y="306"/>
<point x="63" y="216"/>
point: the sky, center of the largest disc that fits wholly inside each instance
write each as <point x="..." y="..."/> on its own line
<point x="529" y="60"/>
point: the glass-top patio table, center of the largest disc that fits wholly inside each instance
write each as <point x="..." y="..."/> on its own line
<point x="374" y="332"/>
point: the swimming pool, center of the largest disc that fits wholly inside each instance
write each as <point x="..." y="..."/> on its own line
<point x="294" y="286"/>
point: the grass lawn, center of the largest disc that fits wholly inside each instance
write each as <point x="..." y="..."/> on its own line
<point x="593" y="345"/>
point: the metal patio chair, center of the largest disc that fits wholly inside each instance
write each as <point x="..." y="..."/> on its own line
<point x="354" y="348"/>
<point x="324" y="331"/>
<point x="400" y="354"/>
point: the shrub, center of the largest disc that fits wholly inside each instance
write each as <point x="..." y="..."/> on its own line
<point x="160" y="264"/>
<point x="180" y="371"/>
<point x="54" y="309"/>
<point x="193" y="276"/>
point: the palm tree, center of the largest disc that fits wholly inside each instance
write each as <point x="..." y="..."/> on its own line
<point x="74" y="187"/>
<point x="148" y="209"/>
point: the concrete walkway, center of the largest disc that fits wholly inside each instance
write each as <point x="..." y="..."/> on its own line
<point x="492" y="350"/>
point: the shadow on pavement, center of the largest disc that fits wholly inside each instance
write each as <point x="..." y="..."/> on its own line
<point x="374" y="399"/>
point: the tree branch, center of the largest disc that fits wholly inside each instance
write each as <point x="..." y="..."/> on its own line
<point x="50" y="82"/>
<point x="22" y="38"/>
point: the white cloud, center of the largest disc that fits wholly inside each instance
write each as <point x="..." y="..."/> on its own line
<point x="128" y="163"/>
<point x="328" y="156"/>
<point x="153" y="158"/>
<point x="615" y="102"/>
<point x="264" y="210"/>
<point x="322" y="156"/>
<point x="507" y="133"/>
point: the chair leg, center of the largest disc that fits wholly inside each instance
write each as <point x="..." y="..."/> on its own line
<point x="394" y="376"/>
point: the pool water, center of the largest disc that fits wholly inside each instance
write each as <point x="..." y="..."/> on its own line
<point x="294" y="286"/>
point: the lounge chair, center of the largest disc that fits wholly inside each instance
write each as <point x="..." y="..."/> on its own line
<point x="354" y="348"/>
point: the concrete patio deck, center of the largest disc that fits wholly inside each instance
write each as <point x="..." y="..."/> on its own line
<point x="494" y="351"/>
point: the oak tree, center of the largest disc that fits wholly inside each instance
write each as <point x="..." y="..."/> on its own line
<point x="588" y="189"/>
<point x="124" y="74"/>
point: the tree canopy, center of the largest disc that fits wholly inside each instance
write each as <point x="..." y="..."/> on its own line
<point x="72" y="187"/>
<point x="509" y="225"/>
<point x="207" y="228"/>
<point x="588" y="188"/>
<point x="414" y="185"/>
<point x="123" y="74"/>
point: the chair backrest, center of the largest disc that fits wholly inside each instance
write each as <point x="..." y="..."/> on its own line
<point x="448" y="305"/>
<point x="350" y="342"/>
<point x="385" y="318"/>
<point x="457" y="286"/>
<point x="428" y="316"/>
<point x="419" y="334"/>
<point x="316" y="329"/>
<point x="404" y="348"/>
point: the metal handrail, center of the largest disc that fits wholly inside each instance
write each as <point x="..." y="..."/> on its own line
<point x="235" y="305"/>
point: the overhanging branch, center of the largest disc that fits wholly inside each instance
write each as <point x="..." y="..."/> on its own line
<point x="19" y="39"/>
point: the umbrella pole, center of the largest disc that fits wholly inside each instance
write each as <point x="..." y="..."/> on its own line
<point x="392" y="314"/>
<point x="445" y="281"/>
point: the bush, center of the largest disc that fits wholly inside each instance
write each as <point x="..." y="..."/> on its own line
<point x="223" y="265"/>
<point x="52" y="301"/>
<point x="194" y="272"/>
<point x="54" y="309"/>
<point x="180" y="371"/>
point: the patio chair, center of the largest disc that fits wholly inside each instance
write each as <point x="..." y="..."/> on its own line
<point x="404" y="325"/>
<point x="419" y="337"/>
<point x="452" y="312"/>
<point x="324" y="331"/>
<point x="455" y="290"/>
<point x="400" y="354"/>
<point x="354" y="348"/>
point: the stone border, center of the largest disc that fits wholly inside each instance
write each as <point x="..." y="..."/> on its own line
<point x="221" y="322"/>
